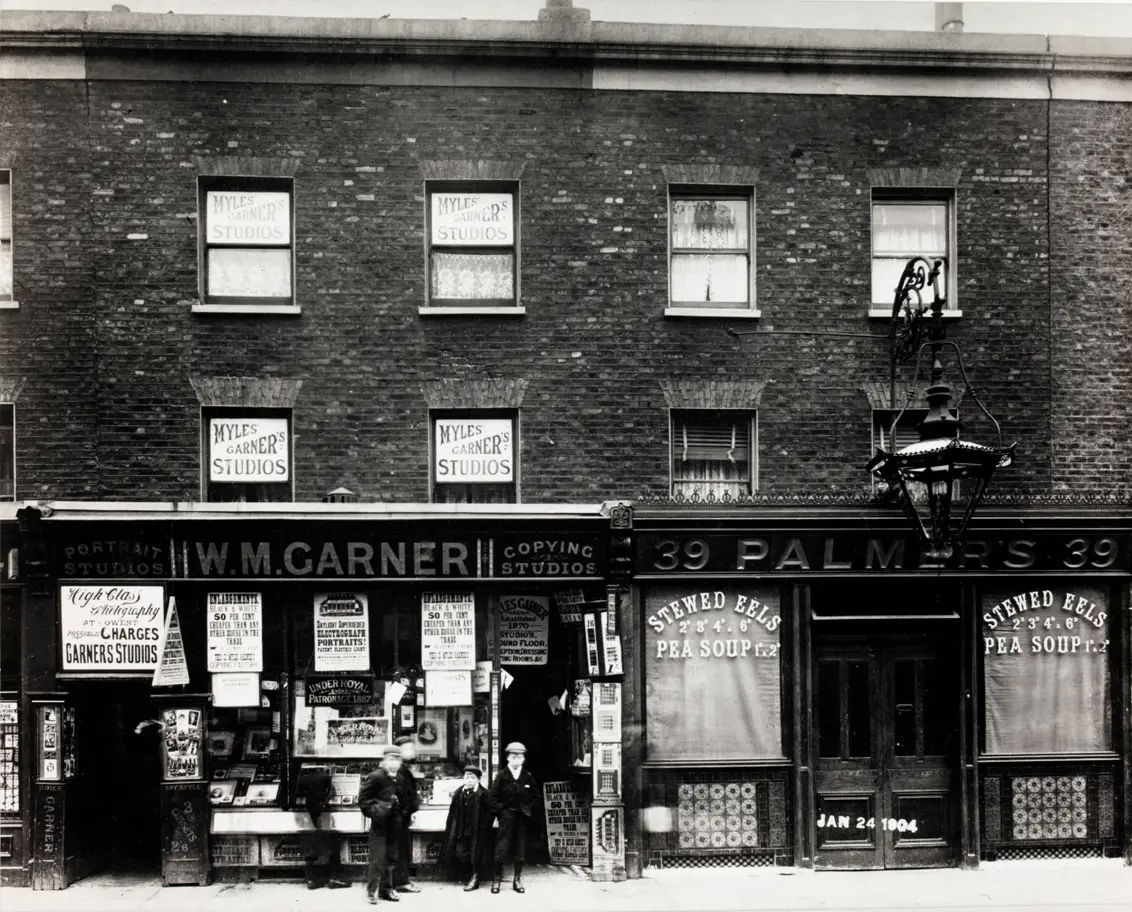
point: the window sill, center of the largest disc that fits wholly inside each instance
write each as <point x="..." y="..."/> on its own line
<point x="9" y="305"/>
<point x="885" y="313"/>
<point x="730" y="313"/>
<point x="277" y="310"/>
<point x="471" y="311"/>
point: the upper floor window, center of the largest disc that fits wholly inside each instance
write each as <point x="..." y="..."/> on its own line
<point x="905" y="226"/>
<point x="711" y="250"/>
<point x="475" y="457"/>
<point x="248" y="455"/>
<point x="472" y="246"/>
<point x="6" y="280"/>
<point x="247" y="242"/>
<point x="713" y="453"/>
<point x="7" y="451"/>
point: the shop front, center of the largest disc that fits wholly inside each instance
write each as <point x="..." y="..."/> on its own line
<point x="811" y="691"/>
<point x="192" y="675"/>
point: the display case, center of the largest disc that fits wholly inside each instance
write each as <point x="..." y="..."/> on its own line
<point x="9" y="757"/>
<point x="246" y="754"/>
<point x="55" y="741"/>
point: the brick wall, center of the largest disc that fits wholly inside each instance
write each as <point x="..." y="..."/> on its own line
<point x="108" y="331"/>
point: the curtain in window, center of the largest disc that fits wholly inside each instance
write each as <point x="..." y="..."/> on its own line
<point x="1046" y="688"/>
<point x="473" y="276"/>
<point x="6" y="239"/>
<point x="713" y="674"/>
<point x="900" y="232"/>
<point x="246" y="273"/>
<point x="711" y="454"/>
<point x="706" y="276"/>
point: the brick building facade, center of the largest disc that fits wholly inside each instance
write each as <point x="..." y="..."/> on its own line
<point x="115" y="356"/>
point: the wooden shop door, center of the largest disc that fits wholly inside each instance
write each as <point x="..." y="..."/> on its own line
<point x="885" y="722"/>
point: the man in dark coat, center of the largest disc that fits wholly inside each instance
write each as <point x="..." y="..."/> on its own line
<point x="512" y="798"/>
<point x="378" y="801"/>
<point x="322" y="841"/>
<point x="467" y="833"/>
<point x="409" y="801"/>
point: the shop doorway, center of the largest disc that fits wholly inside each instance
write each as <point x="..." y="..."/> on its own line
<point x="119" y="780"/>
<point x="885" y="747"/>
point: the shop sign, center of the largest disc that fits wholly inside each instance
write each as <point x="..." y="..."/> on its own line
<point x="448" y="631"/>
<point x="235" y="631"/>
<point x="570" y="602"/>
<point x="474" y="450"/>
<point x="110" y="555"/>
<point x="341" y="632"/>
<point x="448" y="688"/>
<point x="248" y="219"/>
<point x="111" y="627"/>
<point x="609" y="843"/>
<point x="473" y="219"/>
<point x="559" y="554"/>
<point x="248" y="449"/>
<point x="851" y="552"/>
<point x="236" y="688"/>
<point x="172" y="667"/>
<point x="567" y="823"/>
<point x="340" y="690"/>
<point x="524" y="629"/>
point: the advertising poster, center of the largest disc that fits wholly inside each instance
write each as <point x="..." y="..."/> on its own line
<point x="472" y="219"/>
<point x="448" y="688"/>
<point x="235" y="631"/>
<point x="524" y="629"/>
<point x="110" y="627"/>
<point x="567" y="823"/>
<point x="235" y="689"/>
<point x="341" y="632"/>
<point x="448" y="631"/>
<point x="569" y="603"/>
<point x="172" y="668"/>
<point x="248" y="219"/>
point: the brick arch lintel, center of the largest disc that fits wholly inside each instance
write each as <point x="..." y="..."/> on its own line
<point x="246" y="392"/>
<point x="11" y="387"/>
<point x="712" y="394"/>
<point x="912" y="178"/>
<point x="245" y="166"/>
<point x="472" y="169"/>
<point x="494" y="393"/>
<point x="711" y="174"/>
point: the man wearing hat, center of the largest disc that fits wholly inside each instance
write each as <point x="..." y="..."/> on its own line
<point x="409" y="801"/>
<point x="467" y="832"/>
<point x="512" y="799"/>
<point x="378" y="801"/>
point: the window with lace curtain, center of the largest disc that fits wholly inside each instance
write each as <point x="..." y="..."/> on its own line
<point x="7" y="451"/>
<point x="908" y="225"/>
<point x="475" y="456"/>
<point x="713" y="453"/>
<point x="248" y="455"/>
<point x="6" y="281"/>
<point x="711" y="251"/>
<point x="905" y="435"/>
<point x="472" y="245"/>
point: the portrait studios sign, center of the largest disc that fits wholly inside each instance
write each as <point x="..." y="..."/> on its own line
<point x="327" y="551"/>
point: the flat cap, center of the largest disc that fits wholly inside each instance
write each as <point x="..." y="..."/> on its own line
<point x="404" y="739"/>
<point x="472" y="768"/>
<point x="392" y="750"/>
<point x="515" y="747"/>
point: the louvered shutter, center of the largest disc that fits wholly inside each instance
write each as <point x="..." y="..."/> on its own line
<point x="906" y="433"/>
<point x="712" y="440"/>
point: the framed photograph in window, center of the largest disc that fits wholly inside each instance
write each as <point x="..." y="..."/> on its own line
<point x="257" y="743"/>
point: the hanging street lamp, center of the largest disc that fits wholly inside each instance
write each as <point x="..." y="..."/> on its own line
<point x="924" y="474"/>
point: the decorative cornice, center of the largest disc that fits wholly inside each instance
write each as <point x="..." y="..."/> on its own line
<point x="712" y="394"/>
<point x="245" y="166"/>
<point x="1119" y="499"/>
<point x="246" y="392"/>
<point x="708" y="174"/>
<point x="477" y="169"/>
<point x="474" y="394"/>
<point x="11" y="387"/>
<point x="912" y="178"/>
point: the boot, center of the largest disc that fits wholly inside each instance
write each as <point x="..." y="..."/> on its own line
<point x="497" y="879"/>
<point x="338" y="883"/>
<point x="517" y="883"/>
<point x="473" y="883"/>
<point x="390" y="895"/>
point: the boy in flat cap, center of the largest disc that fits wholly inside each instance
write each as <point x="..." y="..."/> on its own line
<point x="467" y="832"/>
<point x="378" y="800"/>
<point x="409" y="801"/>
<point x="512" y="799"/>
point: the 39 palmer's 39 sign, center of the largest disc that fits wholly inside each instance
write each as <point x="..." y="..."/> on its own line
<point x="243" y="450"/>
<point x="474" y="450"/>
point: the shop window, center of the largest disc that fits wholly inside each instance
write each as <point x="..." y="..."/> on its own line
<point x="248" y="455"/>
<point x="1047" y="670"/>
<point x="7" y="451"/>
<point x="906" y="225"/>
<point x="6" y="277"/>
<point x="711" y="250"/>
<point x="713" y="453"/>
<point x="247" y="242"/>
<point x="713" y="674"/>
<point x="473" y="245"/>
<point x="475" y="457"/>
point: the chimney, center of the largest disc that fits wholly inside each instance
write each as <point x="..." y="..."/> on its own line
<point x="562" y="12"/>
<point x="949" y="17"/>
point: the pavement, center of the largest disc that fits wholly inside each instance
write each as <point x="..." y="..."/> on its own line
<point x="1085" y="885"/>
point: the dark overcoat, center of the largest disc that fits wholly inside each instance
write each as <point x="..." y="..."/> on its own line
<point x="467" y="831"/>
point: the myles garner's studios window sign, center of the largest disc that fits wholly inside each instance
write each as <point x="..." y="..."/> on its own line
<point x="248" y="450"/>
<point x="474" y="450"/>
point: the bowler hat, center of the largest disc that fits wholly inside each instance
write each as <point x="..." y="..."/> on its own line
<point x="515" y="747"/>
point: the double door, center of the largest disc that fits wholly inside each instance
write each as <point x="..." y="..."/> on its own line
<point x="885" y="748"/>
